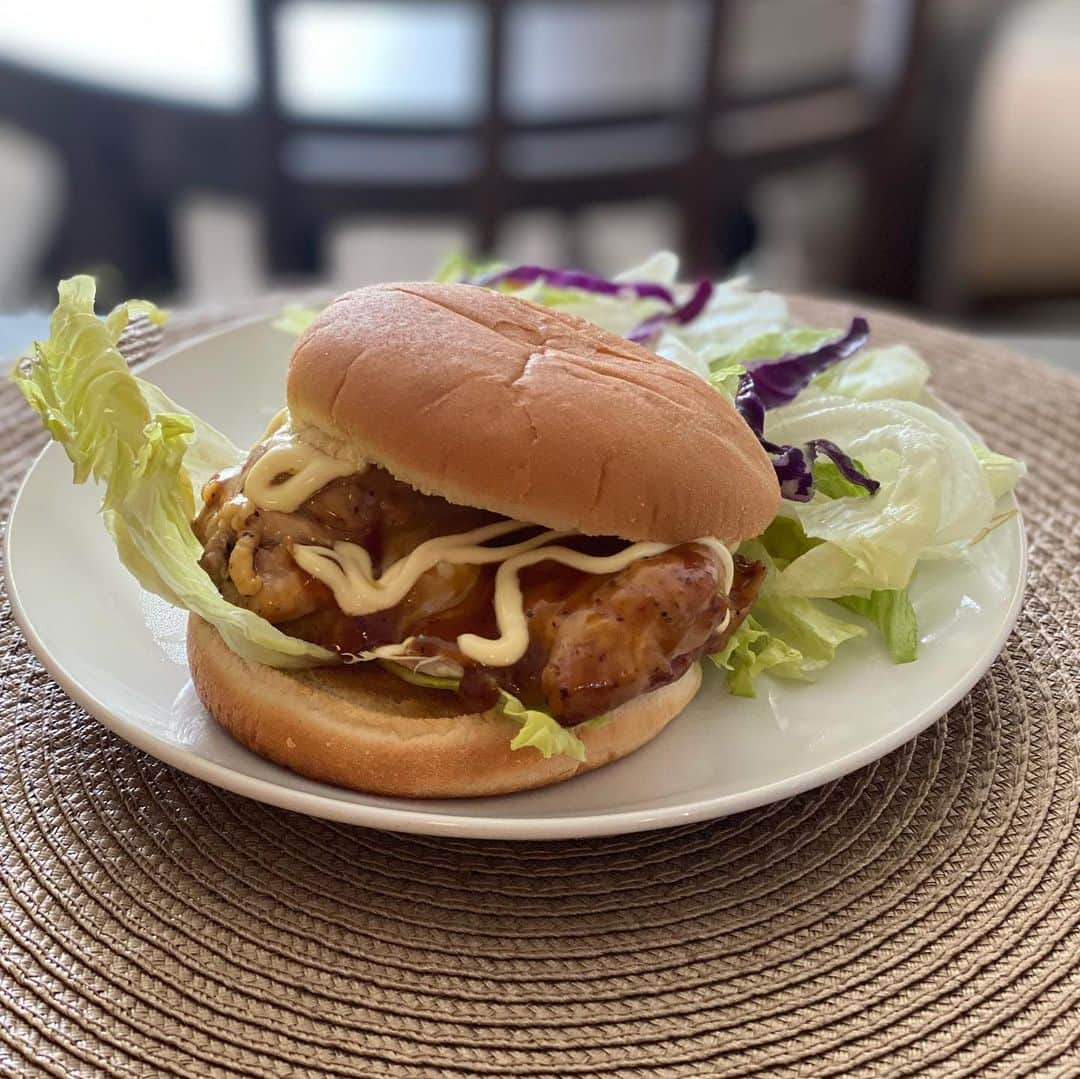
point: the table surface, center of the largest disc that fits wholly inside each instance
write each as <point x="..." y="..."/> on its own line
<point x="920" y="916"/>
<point x="1062" y="350"/>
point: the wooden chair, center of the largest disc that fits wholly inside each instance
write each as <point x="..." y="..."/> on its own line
<point x="726" y="143"/>
<point x="129" y="156"/>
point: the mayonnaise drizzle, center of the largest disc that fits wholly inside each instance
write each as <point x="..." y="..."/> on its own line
<point x="306" y="469"/>
<point x="347" y="570"/>
<point x="513" y="637"/>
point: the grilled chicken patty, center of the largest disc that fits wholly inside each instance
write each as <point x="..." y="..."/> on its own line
<point x="595" y="640"/>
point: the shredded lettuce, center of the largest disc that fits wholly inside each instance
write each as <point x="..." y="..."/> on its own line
<point x="734" y="315"/>
<point x="1001" y="472"/>
<point x="784" y="541"/>
<point x="891" y="611"/>
<point x="772" y="383"/>
<point x="725" y="377"/>
<point x="777" y="343"/>
<point x="112" y="428"/>
<point x="829" y="480"/>
<point x="877" y="374"/>
<point x="750" y="652"/>
<point x="792" y="638"/>
<point x="804" y="625"/>
<point x="418" y="678"/>
<point x="807" y="627"/>
<point x="933" y="495"/>
<point x="539" y="730"/>
<point x="796" y="637"/>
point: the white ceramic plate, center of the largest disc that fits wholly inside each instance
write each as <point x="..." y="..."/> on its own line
<point x="119" y="652"/>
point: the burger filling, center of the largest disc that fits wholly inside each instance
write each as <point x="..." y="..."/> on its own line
<point x="595" y="640"/>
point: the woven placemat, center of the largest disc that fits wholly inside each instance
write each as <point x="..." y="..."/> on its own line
<point x="921" y="916"/>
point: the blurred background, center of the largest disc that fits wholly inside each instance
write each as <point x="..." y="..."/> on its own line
<point x="920" y="152"/>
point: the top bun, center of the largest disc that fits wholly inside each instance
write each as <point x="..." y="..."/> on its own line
<point x="495" y="402"/>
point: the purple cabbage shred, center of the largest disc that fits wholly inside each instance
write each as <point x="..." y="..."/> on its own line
<point x="646" y="330"/>
<point x="848" y="469"/>
<point x="577" y="279"/>
<point x="794" y="471"/>
<point x="682" y="314"/>
<point x="777" y="382"/>
<point x="770" y="383"/>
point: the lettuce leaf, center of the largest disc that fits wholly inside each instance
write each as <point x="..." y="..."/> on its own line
<point x="208" y="450"/>
<point x="832" y="483"/>
<point x="539" y="730"/>
<point x="891" y="611"/>
<point x="791" y="637"/>
<point x="113" y="429"/>
<point x="751" y="651"/>
<point x="725" y="377"/>
<point x="807" y="627"/>
<point x="783" y="541"/>
<point x="777" y="343"/>
<point x="933" y="496"/>
<point x="1001" y="472"/>
<point x="418" y="678"/>
<point x="897" y="372"/>
<point x="787" y="636"/>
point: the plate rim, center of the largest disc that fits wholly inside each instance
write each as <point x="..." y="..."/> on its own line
<point x="419" y="822"/>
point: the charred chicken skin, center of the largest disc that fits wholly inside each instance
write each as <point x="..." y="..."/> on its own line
<point x="595" y="640"/>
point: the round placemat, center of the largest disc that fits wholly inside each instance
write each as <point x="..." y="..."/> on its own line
<point x="918" y="917"/>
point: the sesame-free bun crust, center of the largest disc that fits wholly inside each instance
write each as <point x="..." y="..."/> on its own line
<point x="495" y="402"/>
<point x="367" y="730"/>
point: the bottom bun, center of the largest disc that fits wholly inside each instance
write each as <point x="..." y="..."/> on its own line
<point x="367" y="730"/>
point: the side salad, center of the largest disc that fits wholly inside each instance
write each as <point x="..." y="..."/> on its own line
<point x="875" y="480"/>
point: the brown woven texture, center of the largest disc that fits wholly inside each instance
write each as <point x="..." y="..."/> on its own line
<point x="919" y="917"/>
